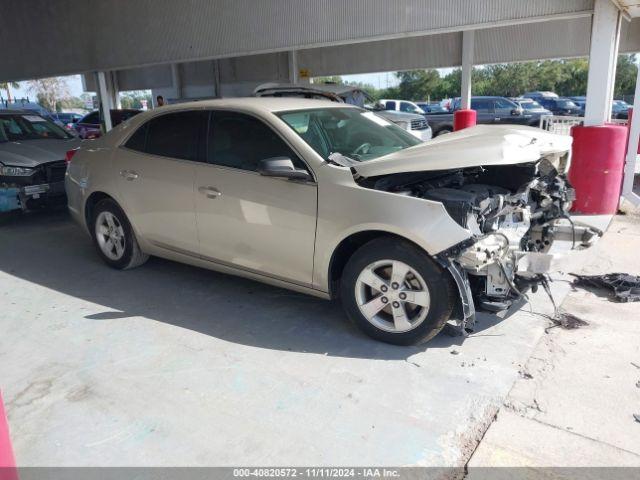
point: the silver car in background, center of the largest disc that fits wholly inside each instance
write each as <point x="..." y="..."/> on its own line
<point x="32" y="160"/>
<point x="334" y="201"/>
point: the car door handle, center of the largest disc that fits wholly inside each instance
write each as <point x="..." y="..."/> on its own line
<point x="129" y="174"/>
<point x="210" y="192"/>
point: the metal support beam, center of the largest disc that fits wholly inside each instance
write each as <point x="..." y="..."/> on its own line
<point x="632" y="149"/>
<point x="104" y="99"/>
<point x="216" y="78"/>
<point x="468" y="46"/>
<point x="176" y="79"/>
<point x="605" y="37"/>
<point x="112" y="86"/>
<point x="293" y="66"/>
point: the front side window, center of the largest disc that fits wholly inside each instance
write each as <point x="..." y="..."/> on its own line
<point x="175" y="135"/>
<point x="482" y="106"/>
<point x="502" y="104"/>
<point x="355" y="133"/>
<point x="14" y="128"/>
<point x="409" y="108"/>
<point x="240" y="141"/>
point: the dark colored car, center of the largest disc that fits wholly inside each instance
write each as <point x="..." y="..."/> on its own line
<point x="561" y="106"/>
<point x="67" y="118"/>
<point x="432" y="107"/>
<point x="32" y="160"/>
<point x="620" y="109"/>
<point x="489" y="110"/>
<point x="580" y="101"/>
<point x="89" y="125"/>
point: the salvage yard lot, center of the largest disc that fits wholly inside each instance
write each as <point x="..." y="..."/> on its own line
<point x="174" y="365"/>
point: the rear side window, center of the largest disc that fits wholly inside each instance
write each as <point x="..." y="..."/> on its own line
<point x="241" y="141"/>
<point x="390" y="105"/>
<point x="175" y="135"/>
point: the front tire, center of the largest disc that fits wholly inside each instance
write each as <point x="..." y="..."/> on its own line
<point x="113" y="237"/>
<point x="395" y="293"/>
<point x="444" y="131"/>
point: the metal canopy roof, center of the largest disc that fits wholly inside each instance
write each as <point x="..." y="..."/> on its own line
<point x="45" y="38"/>
<point x="630" y="7"/>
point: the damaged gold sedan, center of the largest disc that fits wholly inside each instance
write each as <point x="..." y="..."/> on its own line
<point x="333" y="201"/>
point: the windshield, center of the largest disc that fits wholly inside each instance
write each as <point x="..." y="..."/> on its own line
<point x="14" y="128"/>
<point x="355" y="133"/>
<point x="565" y="104"/>
<point x="533" y="105"/>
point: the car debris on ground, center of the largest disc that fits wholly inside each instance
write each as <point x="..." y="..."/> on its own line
<point x="625" y="287"/>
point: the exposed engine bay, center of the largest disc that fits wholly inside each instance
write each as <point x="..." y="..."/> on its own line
<point x="515" y="214"/>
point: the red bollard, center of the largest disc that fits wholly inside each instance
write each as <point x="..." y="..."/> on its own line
<point x="8" y="470"/>
<point x="597" y="168"/>
<point x="629" y="126"/>
<point x="463" y="119"/>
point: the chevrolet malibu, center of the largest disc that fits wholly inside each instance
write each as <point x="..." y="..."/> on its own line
<point x="334" y="201"/>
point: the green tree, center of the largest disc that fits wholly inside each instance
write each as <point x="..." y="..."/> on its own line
<point x="417" y="84"/>
<point x="626" y="74"/>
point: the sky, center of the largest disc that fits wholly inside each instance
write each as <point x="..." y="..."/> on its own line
<point x="74" y="82"/>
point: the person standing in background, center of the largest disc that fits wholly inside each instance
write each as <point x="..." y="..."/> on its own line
<point x="159" y="101"/>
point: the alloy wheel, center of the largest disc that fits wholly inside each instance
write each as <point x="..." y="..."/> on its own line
<point x="392" y="296"/>
<point x="110" y="235"/>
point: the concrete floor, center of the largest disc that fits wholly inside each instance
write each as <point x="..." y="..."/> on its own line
<point x="173" y="365"/>
<point x="574" y="404"/>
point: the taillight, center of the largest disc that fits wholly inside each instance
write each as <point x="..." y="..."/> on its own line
<point x="70" y="153"/>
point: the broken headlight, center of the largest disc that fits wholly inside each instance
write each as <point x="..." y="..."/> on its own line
<point x="10" y="171"/>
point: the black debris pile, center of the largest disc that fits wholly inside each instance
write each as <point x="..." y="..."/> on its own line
<point x="625" y="287"/>
<point x="560" y="318"/>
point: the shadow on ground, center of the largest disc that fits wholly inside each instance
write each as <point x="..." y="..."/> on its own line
<point x="46" y="248"/>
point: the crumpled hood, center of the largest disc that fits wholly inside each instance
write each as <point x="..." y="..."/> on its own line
<point x="472" y="147"/>
<point x="31" y="153"/>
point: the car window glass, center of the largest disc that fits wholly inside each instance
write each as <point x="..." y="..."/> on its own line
<point x="502" y="104"/>
<point x="241" y="141"/>
<point x="390" y="105"/>
<point x="407" y="107"/>
<point x="137" y="141"/>
<point x="481" y="105"/>
<point x="175" y="135"/>
<point x="91" y="118"/>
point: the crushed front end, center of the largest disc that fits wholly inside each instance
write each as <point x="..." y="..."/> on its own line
<point x="516" y="214"/>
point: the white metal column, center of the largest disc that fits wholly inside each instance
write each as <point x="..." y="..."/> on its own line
<point x="105" y="100"/>
<point x="114" y="89"/>
<point x="293" y="66"/>
<point x="632" y="149"/>
<point x="605" y="36"/>
<point x="468" y="45"/>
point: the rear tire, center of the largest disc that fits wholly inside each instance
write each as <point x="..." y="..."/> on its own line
<point x="444" y="131"/>
<point x="113" y="237"/>
<point x="395" y="293"/>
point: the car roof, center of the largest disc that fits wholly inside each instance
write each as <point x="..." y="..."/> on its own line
<point x="8" y="111"/>
<point x="257" y="104"/>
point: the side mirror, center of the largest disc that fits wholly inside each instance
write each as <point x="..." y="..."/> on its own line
<point x="517" y="111"/>
<point x="282" y="167"/>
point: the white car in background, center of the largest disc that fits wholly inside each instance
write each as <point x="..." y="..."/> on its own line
<point x="416" y="124"/>
<point x="332" y="200"/>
